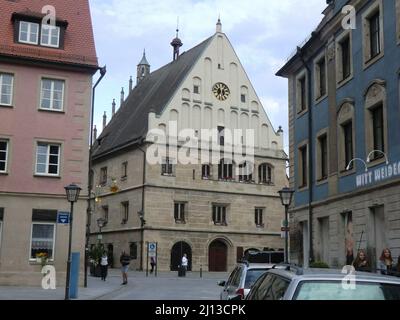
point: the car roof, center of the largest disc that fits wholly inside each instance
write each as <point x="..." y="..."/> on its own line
<point x="331" y="274"/>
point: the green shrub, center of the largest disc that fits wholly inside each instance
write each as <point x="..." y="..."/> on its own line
<point x="96" y="253"/>
<point x="319" y="265"/>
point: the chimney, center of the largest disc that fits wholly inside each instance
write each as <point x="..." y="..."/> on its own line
<point x="130" y="85"/>
<point x="104" y="120"/>
<point x="113" y="108"/>
<point x="94" y="133"/>
<point x="122" y="96"/>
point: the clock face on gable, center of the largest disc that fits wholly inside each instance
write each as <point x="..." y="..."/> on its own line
<point x="221" y="91"/>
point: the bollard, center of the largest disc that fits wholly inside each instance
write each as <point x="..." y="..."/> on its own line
<point x="201" y="271"/>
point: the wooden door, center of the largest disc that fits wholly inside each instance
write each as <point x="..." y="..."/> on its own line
<point x="217" y="256"/>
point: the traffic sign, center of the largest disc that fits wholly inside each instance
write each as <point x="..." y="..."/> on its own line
<point x="152" y="249"/>
<point x="63" y="217"/>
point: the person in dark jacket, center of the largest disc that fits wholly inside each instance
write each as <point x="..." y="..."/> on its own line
<point x="125" y="260"/>
<point x="361" y="262"/>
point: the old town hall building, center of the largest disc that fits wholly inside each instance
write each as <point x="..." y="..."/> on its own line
<point x="212" y="211"/>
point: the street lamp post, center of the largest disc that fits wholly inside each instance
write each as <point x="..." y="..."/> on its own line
<point x="286" y="196"/>
<point x="142" y="224"/>
<point x="101" y="223"/>
<point x="72" y="192"/>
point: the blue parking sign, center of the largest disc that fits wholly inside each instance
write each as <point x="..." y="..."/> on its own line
<point x="63" y="217"/>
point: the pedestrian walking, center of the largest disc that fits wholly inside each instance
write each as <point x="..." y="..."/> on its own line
<point x="361" y="262"/>
<point x="385" y="263"/>
<point x="184" y="264"/>
<point x="153" y="263"/>
<point x="125" y="260"/>
<point x="104" y="266"/>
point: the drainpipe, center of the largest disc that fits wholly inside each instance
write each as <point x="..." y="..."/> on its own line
<point x="142" y="220"/>
<point x="310" y="157"/>
<point x="103" y="72"/>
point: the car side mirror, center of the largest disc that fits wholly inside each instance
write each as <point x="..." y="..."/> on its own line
<point x="236" y="298"/>
<point x="222" y="283"/>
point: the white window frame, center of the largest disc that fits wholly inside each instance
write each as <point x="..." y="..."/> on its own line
<point x="12" y="88"/>
<point x="29" y="32"/>
<point x="49" y="145"/>
<point x="52" y="95"/>
<point x="50" y="36"/>
<point x="7" y="151"/>
<point x="54" y="238"/>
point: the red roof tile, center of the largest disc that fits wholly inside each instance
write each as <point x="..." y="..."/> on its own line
<point x="79" y="47"/>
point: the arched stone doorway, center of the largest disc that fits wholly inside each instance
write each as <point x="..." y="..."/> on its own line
<point x="177" y="252"/>
<point x="218" y="256"/>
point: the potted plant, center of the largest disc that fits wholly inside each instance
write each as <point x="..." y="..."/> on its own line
<point x="94" y="258"/>
<point x="42" y="258"/>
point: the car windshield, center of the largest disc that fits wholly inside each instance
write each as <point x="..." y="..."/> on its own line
<point x="252" y="275"/>
<point x="335" y="290"/>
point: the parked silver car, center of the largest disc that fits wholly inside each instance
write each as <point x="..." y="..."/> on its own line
<point x="293" y="283"/>
<point x="241" y="279"/>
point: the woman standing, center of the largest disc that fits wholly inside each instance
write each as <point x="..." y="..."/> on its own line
<point x="385" y="263"/>
<point x="361" y="263"/>
<point x="104" y="266"/>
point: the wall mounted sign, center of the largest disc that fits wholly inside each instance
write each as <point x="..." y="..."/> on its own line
<point x="378" y="175"/>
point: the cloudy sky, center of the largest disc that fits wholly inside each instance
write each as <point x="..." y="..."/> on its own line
<point x="263" y="32"/>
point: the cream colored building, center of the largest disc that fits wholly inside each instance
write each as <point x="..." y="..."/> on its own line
<point x="205" y="209"/>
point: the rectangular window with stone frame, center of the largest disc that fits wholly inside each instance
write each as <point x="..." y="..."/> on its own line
<point x="373" y="37"/>
<point x="124" y="212"/>
<point x="322" y="157"/>
<point x="219" y="215"/>
<point x="320" y="72"/>
<point x="179" y="212"/>
<point x="376" y="131"/>
<point x="167" y="167"/>
<point x="124" y="170"/>
<point x="344" y="58"/>
<point x="348" y="144"/>
<point x="259" y="217"/>
<point x="103" y="176"/>
<point x="303" y="167"/>
<point x="301" y="93"/>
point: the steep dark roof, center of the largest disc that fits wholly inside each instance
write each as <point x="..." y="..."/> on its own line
<point x="130" y="123"/>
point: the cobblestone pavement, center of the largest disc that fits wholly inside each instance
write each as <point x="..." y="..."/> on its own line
<point x="166" y="286"/>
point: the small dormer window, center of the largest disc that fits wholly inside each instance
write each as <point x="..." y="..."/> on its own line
<point x="28" y="32"/>
<point x="50" y="36"/>
<point x="29" y="28"/>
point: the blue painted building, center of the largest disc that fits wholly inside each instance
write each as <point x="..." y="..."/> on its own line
<point x="344" y="119"/>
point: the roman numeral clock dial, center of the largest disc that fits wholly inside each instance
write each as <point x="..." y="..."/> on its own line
<point x="221" y="91"/>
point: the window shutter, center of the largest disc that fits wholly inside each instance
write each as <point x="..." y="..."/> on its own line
<point x="220" y="170"/>
<point x="255" y="217"/>
<point x="261" y="217"/>
<point x="1" y="214"/>
<point x="223" y="215"/>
